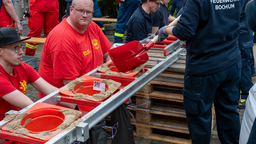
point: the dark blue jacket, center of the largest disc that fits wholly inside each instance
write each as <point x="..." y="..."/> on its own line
<point x="176" y="4"/>
<point x="139" y="25"/>
<point x="251" y="15"/>
<point x="210" y="30"/>
<point x="160" y="17"/>
<point x="244" y="32"/>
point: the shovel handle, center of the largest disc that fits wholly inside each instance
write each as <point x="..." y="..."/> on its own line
<point x="155" y="39"/>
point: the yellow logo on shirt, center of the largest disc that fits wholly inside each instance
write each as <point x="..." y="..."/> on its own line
<point x="23" y="86"/>
<point x="86" y="52"/>
<point x="95" y="43"/>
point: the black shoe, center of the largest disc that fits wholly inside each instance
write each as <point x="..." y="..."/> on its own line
<point x="253" y="75"/>
<point x="241" y="104"/>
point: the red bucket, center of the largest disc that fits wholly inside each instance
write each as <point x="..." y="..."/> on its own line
<point x="43" y="120"/>
<point x="86" y="87"/>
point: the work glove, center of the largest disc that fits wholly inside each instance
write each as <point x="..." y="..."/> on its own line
<point x="162" y="34"/>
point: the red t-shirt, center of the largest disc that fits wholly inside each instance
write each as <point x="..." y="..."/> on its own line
<point x="2" y="8"/>
<point x="44" y="5"/>
<point x="22" y="75"/>
<point x="6" y="20"/>
<point x="68" y="54"/>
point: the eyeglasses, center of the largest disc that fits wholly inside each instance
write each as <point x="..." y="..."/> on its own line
<point x="89" y="13"/>
<point x="157" y="3"/>
<point x="17" y="48"/>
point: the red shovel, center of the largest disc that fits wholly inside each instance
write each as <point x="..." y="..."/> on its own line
<point x="132" y="54"/>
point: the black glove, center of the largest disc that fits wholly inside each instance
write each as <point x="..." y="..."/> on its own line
<point x="162" y="34"/>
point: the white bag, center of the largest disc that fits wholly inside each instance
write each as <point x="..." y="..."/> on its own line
<point x="249" y="116"/>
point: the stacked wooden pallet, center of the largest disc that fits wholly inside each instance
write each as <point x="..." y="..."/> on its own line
<point x="158" y="107"/>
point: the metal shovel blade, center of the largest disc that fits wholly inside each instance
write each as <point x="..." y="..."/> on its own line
<point x="128" y="56"/>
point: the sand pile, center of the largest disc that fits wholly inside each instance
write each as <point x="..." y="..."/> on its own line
<point x="107" y="70"/>
<point x="68" y="123"/>
<point x="112" y="87"/>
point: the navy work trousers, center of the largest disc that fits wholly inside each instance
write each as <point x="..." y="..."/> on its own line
<point x="124" y="14"/>
<point x="200" y="93"/>
<point x="97" y="14"/>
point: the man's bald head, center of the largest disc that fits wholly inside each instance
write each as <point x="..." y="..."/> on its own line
<point x="81" y="13"/>
<point x="79" y="2"/>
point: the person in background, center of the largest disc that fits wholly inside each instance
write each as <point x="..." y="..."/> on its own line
<point x="160" y="17"/>
<point x="176" y="4"/>
<point x="69" y="3"/>
<point x="125" y="11"/>
<point x="15" y="75"/>
<point x="44" y="14"/>
<point x="8" y="16"/>
<point x="250" y="14"/>
<point x="213" y="67"/>
<point x="140" y="23"/>
<point x="96" y="13"/>
<point x="245" y="43"/>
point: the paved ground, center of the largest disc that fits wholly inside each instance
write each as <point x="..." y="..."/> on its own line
<point x="32" y="93"/>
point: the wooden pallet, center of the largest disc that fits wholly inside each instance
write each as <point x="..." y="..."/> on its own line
<point x="156" y="53"/>
<point x="158" y="106"/>
<point x="160" y="130"/>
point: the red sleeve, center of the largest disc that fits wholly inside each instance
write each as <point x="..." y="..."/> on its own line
<point x="31" y="73"/>
<point x="6" y="86"/>
<point x="65" y="65"/>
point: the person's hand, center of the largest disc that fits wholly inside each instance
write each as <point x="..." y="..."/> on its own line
<point x="171" y="18"/>
<point x="162" y="34"/>
<point x="20" y="29"/>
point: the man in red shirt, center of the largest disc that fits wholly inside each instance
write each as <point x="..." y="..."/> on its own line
<point x="44" y="14"/>
<point x="15" y="74"/>
<point x="8" y="15"/>
<point x="74" y="47"/>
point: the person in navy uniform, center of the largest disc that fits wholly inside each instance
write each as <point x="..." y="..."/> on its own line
<point x="140" y="23"/>
<point x="126" y="9"/>
<point x="176" y="4"/>
<point x="245" y="43"/>
<point x="213" y="66"/>
<point x="160" y="17"/>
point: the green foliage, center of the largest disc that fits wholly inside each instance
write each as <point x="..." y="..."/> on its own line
<point x="108" y="8"/>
